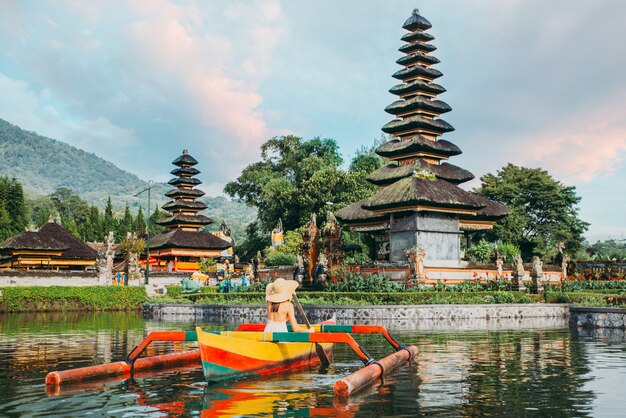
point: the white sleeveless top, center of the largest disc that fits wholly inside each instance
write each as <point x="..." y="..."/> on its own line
<point x="276" y="326"/>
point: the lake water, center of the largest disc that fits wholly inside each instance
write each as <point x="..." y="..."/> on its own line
<point x="536" y="372"/>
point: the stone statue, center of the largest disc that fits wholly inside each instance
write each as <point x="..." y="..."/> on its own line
<point x="499" y="265"/>
<point x="564" y="264"/>
<point x="416" y="256"/>
<point x="383" y="251"/>
<point x="321" y="270"/>
<point x="133" y="269"/>
<point x="518" y="273"/>
<point x="189" y="286"/>
<point x="536" y="275"/>
<point x="101" y="262"/>
<point x="109" y="253"/>
<point x="298" y="273"/>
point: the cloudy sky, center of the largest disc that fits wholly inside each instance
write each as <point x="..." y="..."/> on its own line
<point x="535" y="83"/>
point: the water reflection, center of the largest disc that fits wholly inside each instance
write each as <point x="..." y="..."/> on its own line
<point x="551" y="372"/>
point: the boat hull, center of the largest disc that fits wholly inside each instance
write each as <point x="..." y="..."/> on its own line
<point x="235" y="354"/>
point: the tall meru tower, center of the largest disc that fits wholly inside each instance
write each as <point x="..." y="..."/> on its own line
<point x="420" y="201"/>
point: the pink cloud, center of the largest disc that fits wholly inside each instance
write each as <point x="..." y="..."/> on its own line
<point x="582" y="148"/>
<point x="213" y="75"/>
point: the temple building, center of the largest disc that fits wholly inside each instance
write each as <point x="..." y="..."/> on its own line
<point x="419" y="202"/>
<point x="181" y="248"/>
<point x="52" y="247"/>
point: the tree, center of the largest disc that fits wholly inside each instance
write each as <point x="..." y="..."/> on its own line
<point x="6" y="230"/>
<point x="124" y="225"/>
<point x="96" y="233"/>
<point x="543" y="211"/>
<point x="41" y="208"/>
<point x="296" y="178"/>
<point x="156" y="216"/>
<point x="109" y="222"/>
<point x="16" y="206"/>
<point x="139" y="224"/>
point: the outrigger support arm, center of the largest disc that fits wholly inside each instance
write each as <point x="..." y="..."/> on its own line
<point x="323" y="337"/>
<point x="158" y="336"/>
<point x="350" y="329"/>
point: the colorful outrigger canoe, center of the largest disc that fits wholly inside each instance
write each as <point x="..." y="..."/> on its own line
<point x="249" y="351"/>
<point x="229" y="354"/>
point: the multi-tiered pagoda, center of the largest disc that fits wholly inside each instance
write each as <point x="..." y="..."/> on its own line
<point x="185" y="243"/>
<point x="419" y="202"/>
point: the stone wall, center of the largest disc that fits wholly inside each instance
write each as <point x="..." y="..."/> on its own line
<point x="48" y="278"/>
<point x="426" y="317"/>
<point x="591" y="318"/>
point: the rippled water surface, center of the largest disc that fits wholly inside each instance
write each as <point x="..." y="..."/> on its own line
<point x="537" y="372"/>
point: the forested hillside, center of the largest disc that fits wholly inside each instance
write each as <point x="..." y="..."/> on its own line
<point x="58" y="178"/>
<point x="43" y="165"/>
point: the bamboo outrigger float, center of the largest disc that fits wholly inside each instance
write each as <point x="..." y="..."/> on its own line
<point x="249" y="351"/>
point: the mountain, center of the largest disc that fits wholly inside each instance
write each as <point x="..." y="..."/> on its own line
<point x="43" y="165"/>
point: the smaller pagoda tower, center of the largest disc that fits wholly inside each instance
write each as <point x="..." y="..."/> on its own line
<point x="184" y="208"/>
<point x="181" y="248"/>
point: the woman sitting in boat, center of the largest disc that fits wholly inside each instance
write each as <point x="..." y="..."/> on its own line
<point x="279" y="307"/>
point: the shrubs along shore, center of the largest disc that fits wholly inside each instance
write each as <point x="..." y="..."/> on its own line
<point x="68" y="298"/>
<point x="94" y="298"/>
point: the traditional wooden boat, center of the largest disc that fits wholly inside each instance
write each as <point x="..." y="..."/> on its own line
<point x="248" y="352"/>
<point x="227" y="354"/>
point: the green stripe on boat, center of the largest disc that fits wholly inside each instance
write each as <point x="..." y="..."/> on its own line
<point x="216" y="371"/>
<point x="191" y="336"/>
<point x="337" y="328"/>
<point x="291" y="337"/>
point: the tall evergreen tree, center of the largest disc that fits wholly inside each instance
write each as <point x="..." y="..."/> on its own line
<point x="125" y="225"/>
<point x="139" y="225"/>
<point x="95" y="220"/>
<point x="157" y="215"/>
<point x="5" y="223"/>
<point x="109" y="222"/>
<point x="16" y="206"/>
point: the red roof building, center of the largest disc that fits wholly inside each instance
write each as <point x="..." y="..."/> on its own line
<point x="182" y="247"/>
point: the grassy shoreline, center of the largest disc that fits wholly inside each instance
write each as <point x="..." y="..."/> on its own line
<point x="68" y="298"/>
<point x="98" y="298"/>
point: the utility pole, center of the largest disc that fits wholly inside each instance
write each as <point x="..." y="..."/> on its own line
<point x="147" y="271"/>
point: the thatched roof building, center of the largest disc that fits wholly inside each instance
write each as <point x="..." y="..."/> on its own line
<point x="419" y="202"/>
<point x="50" y="247"/>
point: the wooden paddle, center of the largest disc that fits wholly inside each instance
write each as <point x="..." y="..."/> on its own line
<point x="318" y="348"/>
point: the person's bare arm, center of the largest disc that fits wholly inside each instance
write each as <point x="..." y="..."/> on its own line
<point x="292" y="319"/>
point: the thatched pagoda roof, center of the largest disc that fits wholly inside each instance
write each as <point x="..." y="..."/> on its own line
<point x="354" y="213"/>
<point x="417" y="46"/>
<point x="179" y="238"/>
<point x="417" y="143"/>
<point x="416" y="22"/>
<point x="391" y="173"/>
<point x="491" y="211"/>
<point x="185" y="171"/>
<point x="417" y="57"/>
<point x="180" y="218"/>
<point x="185" y="160"/>
<point x="418" y="103"/>
<point x="184" y="181"/>
<point x="414" y="191"/>
<point x="418" y="70"/>
<point x="184" y="204"/>
<point x="415" y="122"/>
<point x="189" y="193"/>
<point x="417" y="36"/>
